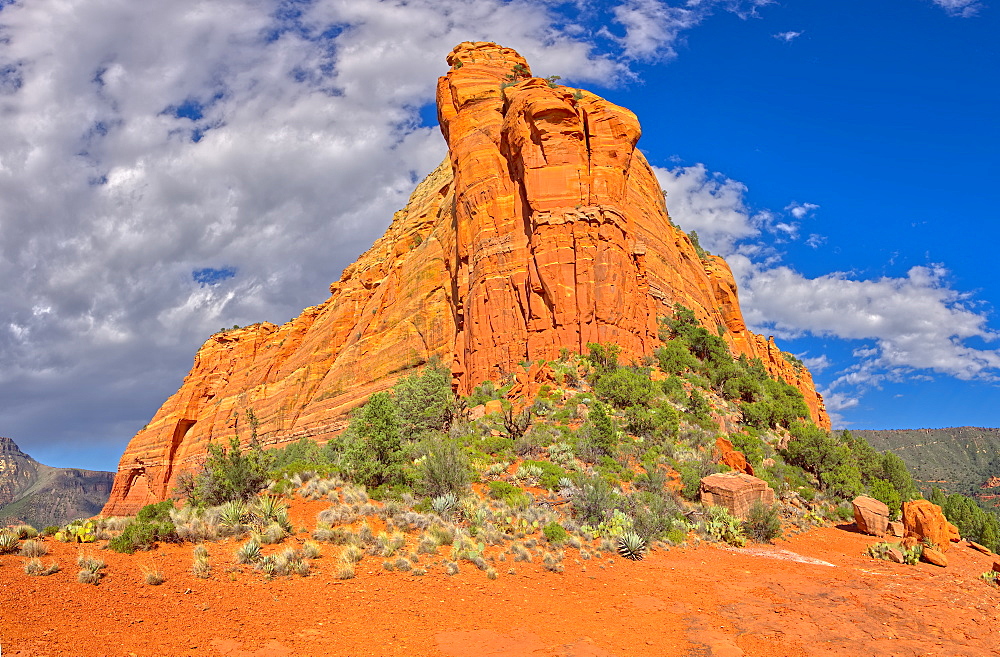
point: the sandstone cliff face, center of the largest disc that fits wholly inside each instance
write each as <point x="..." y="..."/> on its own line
<point x="544" y="229"/>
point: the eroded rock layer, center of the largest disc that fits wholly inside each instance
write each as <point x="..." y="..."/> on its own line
<point x="544" y="229"/>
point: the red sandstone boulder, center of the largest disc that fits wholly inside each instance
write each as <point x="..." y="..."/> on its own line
<point x="871" y="516"/>
<point x="732" y="457"/>
<point x="925" y="520"/>
<point x="935" y="557"/>
<point x="980" y="548"/>
<point x="896" y="529"/>
<point x="735" y="491"/>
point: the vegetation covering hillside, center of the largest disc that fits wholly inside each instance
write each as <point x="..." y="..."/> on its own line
<point x="956" y="459"/>
<point x="582" y="453"/>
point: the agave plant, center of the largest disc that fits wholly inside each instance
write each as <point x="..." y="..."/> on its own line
<point x="444" y="504"/>
<point x="631" y="546"/>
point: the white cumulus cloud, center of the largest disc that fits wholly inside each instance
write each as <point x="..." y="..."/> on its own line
<point x="913" y="323"/>
<point x="170" y="168"/>
<point x="963" y="8"/>
<point x="787" y="37"/>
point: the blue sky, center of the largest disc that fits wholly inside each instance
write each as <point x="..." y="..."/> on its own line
<point x="165" y="171"/>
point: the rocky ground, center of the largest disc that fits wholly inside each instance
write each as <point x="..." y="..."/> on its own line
<point x="815" y="593"/>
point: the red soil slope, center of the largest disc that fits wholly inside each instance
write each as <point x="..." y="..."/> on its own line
<point x="705" y="600"/>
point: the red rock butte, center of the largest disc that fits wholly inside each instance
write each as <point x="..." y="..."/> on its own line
<point x="544" y="229"/>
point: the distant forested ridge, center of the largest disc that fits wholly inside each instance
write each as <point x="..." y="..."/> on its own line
<point x="955" y="459"/>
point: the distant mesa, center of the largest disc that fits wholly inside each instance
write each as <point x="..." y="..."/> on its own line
<point x="40" y="495"/>
<point x="543" y="230"/>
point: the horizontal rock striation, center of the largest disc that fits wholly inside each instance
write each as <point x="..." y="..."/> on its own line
<point x="545" y="229"/>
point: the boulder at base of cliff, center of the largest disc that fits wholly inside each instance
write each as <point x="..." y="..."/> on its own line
<point x="925" y="520"/>
<point x="896" y="529"/>
<point x="735" y="491"/>
<point x="871" y="516"/>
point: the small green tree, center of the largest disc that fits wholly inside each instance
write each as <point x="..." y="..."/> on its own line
<point x="424" y="402"/>
<point x="674" y="357"/>
<point x="624" y="387"/>
<point x="374" y="449"/>
<point x="444" y="468"/>
<point x="886" y="493"/>
<point x="605" y="434"/>
<point x="228" y="474"/>
<point x="604" y="357"/>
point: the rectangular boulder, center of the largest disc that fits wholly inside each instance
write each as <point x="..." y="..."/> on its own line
<point x="736" y="492"/>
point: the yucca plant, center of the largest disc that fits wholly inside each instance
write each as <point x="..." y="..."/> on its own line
<point x="270" y="509"/>
<point x="249" y="552"/>
<point x="8" y="542"/>
<point x="631" y="546"/>
<point x="233" y="513"/>
<point x="267" y="565"/>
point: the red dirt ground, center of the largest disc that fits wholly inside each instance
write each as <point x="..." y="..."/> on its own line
<point x="685" y="602"/>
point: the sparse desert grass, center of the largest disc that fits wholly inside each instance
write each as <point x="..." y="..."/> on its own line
<point x="335" y="535"/>
<point x="351" y="554"/>
<point x="427" y="544"/>
<point x="152" y="575"/>
<point x="91" y="569"/>
<point x="552" y="562"/>
<point x="32" y="548"/>
<point x="387" y="545"/>
<point x="346" y="570"/>
<point x="201" y="566"/>
<point x="311" y="550"/>
<point x="441" y="534"/>
<point x="521" y="553"/>
<point x="290" y="561"/>
<point x="34" y="566"/>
